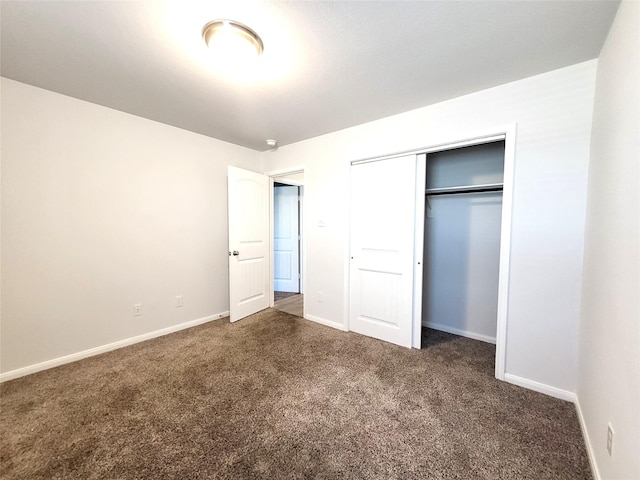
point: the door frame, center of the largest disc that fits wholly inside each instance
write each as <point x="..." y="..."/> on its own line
<point x="478" y="137"/>
<point x="277" y="176"/>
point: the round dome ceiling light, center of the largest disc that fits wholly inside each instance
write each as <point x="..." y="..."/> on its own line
<point x="232" y="40"/>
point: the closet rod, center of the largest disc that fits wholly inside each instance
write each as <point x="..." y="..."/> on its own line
<point x="489" y="187"/>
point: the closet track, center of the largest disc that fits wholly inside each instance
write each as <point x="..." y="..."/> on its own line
<point x="489" y="187"/>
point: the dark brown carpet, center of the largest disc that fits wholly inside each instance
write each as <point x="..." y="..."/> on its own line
<point x="278" y="397"/>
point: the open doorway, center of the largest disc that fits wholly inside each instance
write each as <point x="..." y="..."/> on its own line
<point x="287" y="236"/>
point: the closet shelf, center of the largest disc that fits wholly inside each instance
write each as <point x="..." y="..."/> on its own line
<point x="487" y="187"/>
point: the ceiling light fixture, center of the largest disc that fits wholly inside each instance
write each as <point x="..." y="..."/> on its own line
<point x="232" y="40"/>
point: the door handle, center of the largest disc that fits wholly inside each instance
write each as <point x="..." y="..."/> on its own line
<point x="236" y="253"/>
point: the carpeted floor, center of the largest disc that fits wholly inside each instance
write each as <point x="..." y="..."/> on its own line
<point x="277" y="397"/>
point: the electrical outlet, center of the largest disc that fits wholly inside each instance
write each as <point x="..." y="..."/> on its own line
<point x="179" y="301"/>
<point x="610" y="434"/>
<point x="320" y="296"/>
<point x="137" y="310"/>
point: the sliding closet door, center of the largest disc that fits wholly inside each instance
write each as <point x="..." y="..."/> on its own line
<point x="382" y="245"/>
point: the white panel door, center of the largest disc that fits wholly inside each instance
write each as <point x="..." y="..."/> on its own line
<point x="382" y="249"/>
<point x="286" y="245"/>
<point x="248" y="203"/>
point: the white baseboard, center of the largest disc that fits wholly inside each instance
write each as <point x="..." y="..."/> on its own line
<point x="462" y="333"/>
<point x="587" y="441"/>
<point x="328" y="323"/>
<point x="540" y="387"/>
<point x="21" y="372"/>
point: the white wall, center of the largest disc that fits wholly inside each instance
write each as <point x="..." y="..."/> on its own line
<point x="609" y="366"/>
<point x="102" y="210"/>
<point x="553" y="116"/>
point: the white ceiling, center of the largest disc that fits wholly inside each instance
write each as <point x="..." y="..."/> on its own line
<point x="326" y="65"/>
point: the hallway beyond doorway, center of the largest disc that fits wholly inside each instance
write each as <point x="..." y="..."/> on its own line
<point x="289" y="303"/>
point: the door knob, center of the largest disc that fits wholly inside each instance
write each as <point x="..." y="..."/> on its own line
<point x="236" y="253"/>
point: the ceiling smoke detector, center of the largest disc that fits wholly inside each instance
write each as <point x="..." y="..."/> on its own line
<point x="272" y="143"/>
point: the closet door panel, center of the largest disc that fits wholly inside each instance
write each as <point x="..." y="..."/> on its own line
<point x="382" y="236"/>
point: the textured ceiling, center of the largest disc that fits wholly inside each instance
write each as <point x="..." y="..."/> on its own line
<point x="326" y="65"/>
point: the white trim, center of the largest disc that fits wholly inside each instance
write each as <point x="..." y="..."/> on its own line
<point x="303" y="243"/>
<point x="540" y="387"/>
<point x="505" y="251"/>
<point x="272" y="217"/>
<point x="328" y="323"/>
<point x="440" y="147"/>
<point x="418" y="249"/>
<point x="37" y="367"/>
<point x="283" y="172"/>
<point x="462" y="333"/>
<point x="585" y="434"/>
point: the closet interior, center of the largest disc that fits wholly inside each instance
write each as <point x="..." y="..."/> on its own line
<point x="463" y="210"/>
